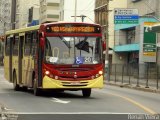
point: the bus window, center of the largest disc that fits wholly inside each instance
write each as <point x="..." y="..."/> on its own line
<point x="27" y="46"/>
<point x="15" y="45"/>
<point x="7" y="46"/>
<point x="48" y="51"/>
<point x="34" y="43"/>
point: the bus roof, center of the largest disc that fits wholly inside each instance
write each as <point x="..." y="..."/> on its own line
<point x="21" y="30"/>
<point x="63" y="22"/>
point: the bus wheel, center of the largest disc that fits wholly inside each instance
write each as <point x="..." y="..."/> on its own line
<point x="86" y="92"/>
<point x="36" y="90"/>
<point x="15" y="85"/>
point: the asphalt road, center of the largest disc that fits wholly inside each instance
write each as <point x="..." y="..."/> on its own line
<point x="107" y="102"/>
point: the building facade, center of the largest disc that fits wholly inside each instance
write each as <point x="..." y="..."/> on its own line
<point x="129" y="38"/>
<point x="146" y="7"/>
<point x="101" y="17"/>
<point x="104" y="15"/>
<point x="49" y="11"/>
<point x="33" y="18"/>
<point x="5" y="16"/>
<point x="22" y="12"/>
<point x="101" y="7"/>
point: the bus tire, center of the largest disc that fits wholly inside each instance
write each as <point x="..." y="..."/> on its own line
<point x="36" y="90"/>
<point x="15" y="85"/>
<point x="86" y="92"/>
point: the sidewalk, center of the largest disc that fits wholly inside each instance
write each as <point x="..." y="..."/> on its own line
<point x="133" y="86"/>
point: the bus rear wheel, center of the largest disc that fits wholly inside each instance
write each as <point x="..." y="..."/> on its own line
<point x="86" y="92"/>
<point x="36" y="90"/>
<point x="15" y="85"/>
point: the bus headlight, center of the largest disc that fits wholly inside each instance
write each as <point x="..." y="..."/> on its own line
<point x="56" y="77"/>
<point x="92" y="77"/>
<point x="97" y="75"/>
<point x="100" y="72"/>
<point x="47" y="72"/>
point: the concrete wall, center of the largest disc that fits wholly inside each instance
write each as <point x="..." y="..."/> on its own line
<point x="137" y="34"/>
<point x="144" y="6"/>
<point x="120" y="58"/>
<point x="36" y="13"/>
<point x="5" y="16"/>
<point x="120" y="37"/>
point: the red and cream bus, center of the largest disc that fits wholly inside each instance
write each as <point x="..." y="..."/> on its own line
<point x="63" y="56"/>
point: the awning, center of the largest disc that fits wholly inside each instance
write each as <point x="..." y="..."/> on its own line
<point x="127" y="48"/>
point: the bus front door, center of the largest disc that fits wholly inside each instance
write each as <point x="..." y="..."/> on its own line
<point x="20" y="65"/>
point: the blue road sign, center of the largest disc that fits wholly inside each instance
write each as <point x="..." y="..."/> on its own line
<point x="126" y="17"/>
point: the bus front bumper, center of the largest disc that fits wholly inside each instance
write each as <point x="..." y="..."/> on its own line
<point x="49" y="83"/>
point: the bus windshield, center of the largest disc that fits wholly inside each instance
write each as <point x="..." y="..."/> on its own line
<point x="73" y="50"/>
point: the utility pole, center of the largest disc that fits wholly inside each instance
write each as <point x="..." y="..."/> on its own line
<point x="107" y="33"/>
<point x="81" y="16"/>
<point x="75" y="12"/>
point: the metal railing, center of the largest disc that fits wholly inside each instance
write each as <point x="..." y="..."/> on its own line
<point x="147" y="75"/>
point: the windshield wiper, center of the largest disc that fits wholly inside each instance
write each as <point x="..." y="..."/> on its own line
<point x="65" y="42"/>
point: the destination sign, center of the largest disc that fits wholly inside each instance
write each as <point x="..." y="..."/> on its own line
<point x="74" y="29"/>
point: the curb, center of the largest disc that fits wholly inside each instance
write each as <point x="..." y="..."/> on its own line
<point x="141" y="88"/>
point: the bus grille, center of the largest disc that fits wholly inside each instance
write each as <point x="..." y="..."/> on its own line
<point x="74" y="83"/>
<point x="78" y="77"/>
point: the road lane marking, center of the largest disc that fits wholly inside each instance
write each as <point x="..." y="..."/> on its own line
<point x="60" y="101"/>
<point x="148" y="110"/>
<point x="76" y="113"/>
<point x="135" y="103"/>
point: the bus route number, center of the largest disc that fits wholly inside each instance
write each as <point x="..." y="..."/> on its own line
<point x="87" y="59"/>
<point x="81" y="60"/>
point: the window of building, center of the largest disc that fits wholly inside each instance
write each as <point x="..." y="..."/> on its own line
<point x="130" y="34"/>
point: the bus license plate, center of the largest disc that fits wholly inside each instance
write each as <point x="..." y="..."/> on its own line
<point x="75" y="83"/>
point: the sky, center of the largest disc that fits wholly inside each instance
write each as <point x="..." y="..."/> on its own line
<point x="84" y="7"/>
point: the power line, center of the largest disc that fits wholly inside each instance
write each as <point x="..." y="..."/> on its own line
<point x="91" y="3"/>
<point x="79" y="10"/>
<point x="150" y="7"/>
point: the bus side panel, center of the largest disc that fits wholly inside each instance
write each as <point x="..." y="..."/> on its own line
<point x="8" y="59"/>
<point x="30" y="71"/>
<point x="32" y="62"/>
<point x="6" y="67"/>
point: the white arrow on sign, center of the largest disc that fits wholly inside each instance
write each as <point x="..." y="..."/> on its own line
<point x="60" y="101"/>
